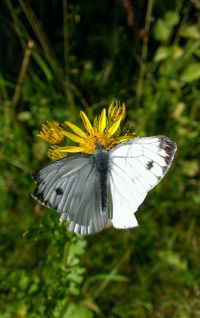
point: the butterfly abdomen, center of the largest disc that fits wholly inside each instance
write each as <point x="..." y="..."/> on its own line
<point x="101" y="161"/>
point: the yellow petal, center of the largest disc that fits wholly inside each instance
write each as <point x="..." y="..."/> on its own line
<point x="52" y="132"/>
<point x="110" y="110"/>
<point x="72" y="137"/>
<point x="113" y="128"/>
<point x="96" y="122"/>
<point x="102" y="121"/>
<point x="53" y="154"/>
<point x="78" y="131"/>
<point x="41" y="135"/>
<point x="116" y="110"/>
<point x="123" y="111"/>
<point x="121" y="139"/>
<point x="86" y="123"/>
<point x="69" y="149"/>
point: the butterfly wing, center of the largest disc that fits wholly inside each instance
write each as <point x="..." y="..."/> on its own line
<point x="70" y="186"/>
<point x="136" y="166"/>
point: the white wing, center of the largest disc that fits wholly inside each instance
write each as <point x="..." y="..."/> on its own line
<point x="70" y="186"/>
<point x="136" y="166"/>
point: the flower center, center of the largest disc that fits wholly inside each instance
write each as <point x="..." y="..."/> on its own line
<point x="90" y="143"/>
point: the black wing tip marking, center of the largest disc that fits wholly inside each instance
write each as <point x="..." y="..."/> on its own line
<point x="37" y="195"/>
<point x="167" y="144"/>
<point x="169" y="147"/>
<point x="37" y="176"/>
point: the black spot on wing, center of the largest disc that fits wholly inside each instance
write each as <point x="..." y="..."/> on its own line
<point x="59" y="191"/>
<point x="149" y="165"/>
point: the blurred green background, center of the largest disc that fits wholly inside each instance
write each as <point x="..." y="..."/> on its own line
<point x="60" y="57"/>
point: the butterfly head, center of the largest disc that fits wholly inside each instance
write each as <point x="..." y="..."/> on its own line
<point x="99" y="148"/>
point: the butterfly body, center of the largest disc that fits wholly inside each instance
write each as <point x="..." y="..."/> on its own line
<point x="101" y="165"/>
<point x="90" y="190"/>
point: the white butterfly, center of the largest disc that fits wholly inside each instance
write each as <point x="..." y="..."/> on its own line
<point x="90" y="190"/>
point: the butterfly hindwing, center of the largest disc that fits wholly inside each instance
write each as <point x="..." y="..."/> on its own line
<point x="136" y="166"/>
<point x="70" y="186"/>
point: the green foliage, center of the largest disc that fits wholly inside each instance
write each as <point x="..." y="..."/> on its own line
<point x="96" y="55"/>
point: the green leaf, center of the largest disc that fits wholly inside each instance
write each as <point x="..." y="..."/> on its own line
<point x="173" y="259"/>
<point x="161" y="30"/>
<point x="77" y="311"/>
<point x="24" y="116"/>
<point x="162" y="53"/>
<point x="191" y="73"/>
<point x="191" y="32"/>
<point x="171" y="18"/>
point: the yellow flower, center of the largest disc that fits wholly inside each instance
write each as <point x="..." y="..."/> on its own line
<point x="116" y="110"/>
<point x="105" y="131"/>
<point x="52" y="132"/>
<point x="53" y="154"/>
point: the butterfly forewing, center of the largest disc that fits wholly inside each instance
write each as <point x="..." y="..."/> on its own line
<point x="136" y="166"/>
<point x="70" y="186"/>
